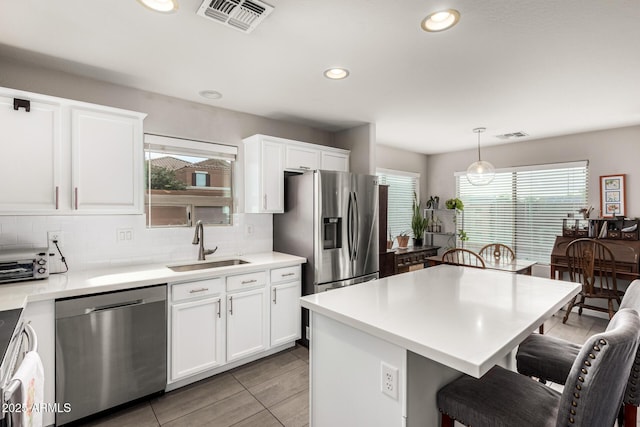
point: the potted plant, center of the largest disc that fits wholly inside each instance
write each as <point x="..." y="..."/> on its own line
<point x="454" y="203"/>
<point x="403" y="239"/>
<point x="418" y="223"/>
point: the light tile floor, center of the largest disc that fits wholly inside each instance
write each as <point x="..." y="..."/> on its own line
<point x="270" y="392"/>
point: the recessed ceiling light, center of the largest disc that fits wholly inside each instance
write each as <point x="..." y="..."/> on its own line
<point x="165" y="6"/>
<point x="440" y="21"/>
<point x="210" y="94"/>
<point x="336" y="73"/>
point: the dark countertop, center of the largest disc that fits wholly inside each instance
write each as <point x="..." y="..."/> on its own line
<point x="412" y="249"/>
<point x="8" y="322"/>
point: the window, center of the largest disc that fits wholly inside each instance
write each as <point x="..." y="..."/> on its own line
<point x="402" y="186"/>
<point x="523" y="207"/>
<point x="188" y="181"/>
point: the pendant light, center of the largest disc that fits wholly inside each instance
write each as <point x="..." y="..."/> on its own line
<point x="480" y="172"/>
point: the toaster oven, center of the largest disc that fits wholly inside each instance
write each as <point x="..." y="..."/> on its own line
<point x="24" y="264"/>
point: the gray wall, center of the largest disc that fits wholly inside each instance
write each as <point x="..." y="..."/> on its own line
<point x="407" y="161"/>
<point x="609" y="152"/>
<point x="361" y="140"/>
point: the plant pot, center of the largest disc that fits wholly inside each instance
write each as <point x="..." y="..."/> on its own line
<point x="403" y="241"/>
<point x="417" y="242"/>
<point x="389" y="244"/>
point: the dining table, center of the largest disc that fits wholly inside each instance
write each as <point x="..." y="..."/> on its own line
<point x="515" y="265"/>
<point x="380" y="351"/>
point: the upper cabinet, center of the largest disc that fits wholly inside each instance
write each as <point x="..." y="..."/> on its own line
<point x="266" y="158"/>
<point x="69" y="157"/>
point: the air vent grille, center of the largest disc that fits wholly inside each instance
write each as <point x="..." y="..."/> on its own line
<point x="512" y="135"/>
<point x="243" y="15"/>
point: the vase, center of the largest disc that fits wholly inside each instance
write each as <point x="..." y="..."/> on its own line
<point x="417" y="242"/>
<point x="403" y="241"/>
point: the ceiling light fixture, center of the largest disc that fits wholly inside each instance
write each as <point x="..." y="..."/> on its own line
<point x="210" y="94"/>
<point x="336" y="73"/>
<point x="480" y="172"/>
<point x="441" y="20"/>
<point x="164" y="6"/>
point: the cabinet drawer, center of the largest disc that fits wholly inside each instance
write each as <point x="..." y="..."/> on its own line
<point x="285" y="274"/>
<point x="199" y="289"/>
<point x="299" y="158"/>
<point x="246" y="281"/>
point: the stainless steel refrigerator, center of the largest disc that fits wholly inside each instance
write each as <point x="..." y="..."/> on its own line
<point x="331" y="219"/>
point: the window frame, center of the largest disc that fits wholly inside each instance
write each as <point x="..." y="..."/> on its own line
<point x="519" y="215"/>
<point x="380" y="173"/>
<point x="187" y="147"/>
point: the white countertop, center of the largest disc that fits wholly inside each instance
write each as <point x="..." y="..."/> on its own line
<point x="465" y="318"/>
<point x="77" y="283"/>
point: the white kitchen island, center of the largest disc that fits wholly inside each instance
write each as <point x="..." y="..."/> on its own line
<point x="411" y="334"/>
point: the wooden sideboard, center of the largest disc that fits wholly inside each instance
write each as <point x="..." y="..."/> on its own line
<point x="405" y="258"/>
<point x="626" y="253"/>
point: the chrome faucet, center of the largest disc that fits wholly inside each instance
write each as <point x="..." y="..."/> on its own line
<point x="199" y="239"/>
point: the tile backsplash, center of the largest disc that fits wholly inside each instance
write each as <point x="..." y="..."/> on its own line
<point x="96" y="241"/>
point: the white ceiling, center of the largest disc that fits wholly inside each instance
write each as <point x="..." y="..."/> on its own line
<point x="540" y="66"/>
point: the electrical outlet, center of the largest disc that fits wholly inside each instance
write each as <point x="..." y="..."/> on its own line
<point x="389" y="380"/>
<point x="55" y="235"/>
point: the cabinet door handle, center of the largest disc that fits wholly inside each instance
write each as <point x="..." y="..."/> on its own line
<point x="305" y="168"/>
<point x="275" y="295"/>
<point x="57" y="196"/>
<point x="75" y="197"/>
<point x="244" y="282"/>
<point x="288" y="274"/>
<point x="231" y="306"/>
<point x="219" y="307"/>
<point x="193" y="291"/>
<point x="264" y="202"/>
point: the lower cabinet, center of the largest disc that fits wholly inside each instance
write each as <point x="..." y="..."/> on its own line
<point x="197" y="334"/>
<point x="220" y="321"/>
<point x="246" y="323"/>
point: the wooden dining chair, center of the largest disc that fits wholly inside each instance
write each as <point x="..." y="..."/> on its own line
<point x="460" y="256"/>
<point x="549" y="359"/>
<point x="591" y="396"/>
<point x="498" y="252"/>
<point x="592" y="263"/>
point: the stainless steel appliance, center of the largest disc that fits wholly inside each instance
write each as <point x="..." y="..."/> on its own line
<point x="24" y="264"/>
<point x="331" y="218"/>
<point x="16" y="339"/>
<point x="111" y="348"/>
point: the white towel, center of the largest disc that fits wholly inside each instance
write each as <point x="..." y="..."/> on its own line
<point x="31" y="391"/>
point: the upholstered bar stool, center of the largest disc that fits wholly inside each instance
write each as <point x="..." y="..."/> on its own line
<point x="550" y="359"/>
<point x="591" y="397"/>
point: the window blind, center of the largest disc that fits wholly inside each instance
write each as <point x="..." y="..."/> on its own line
<point x="523" y="207"/>
<point x="402" y="186"/>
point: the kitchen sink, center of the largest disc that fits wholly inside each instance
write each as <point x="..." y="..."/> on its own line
<point x="208" y="264"/>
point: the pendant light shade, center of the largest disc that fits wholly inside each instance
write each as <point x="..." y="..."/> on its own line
<point x="480" y="172"/>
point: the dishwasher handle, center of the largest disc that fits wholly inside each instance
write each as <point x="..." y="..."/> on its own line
<point x="113" y="306"/>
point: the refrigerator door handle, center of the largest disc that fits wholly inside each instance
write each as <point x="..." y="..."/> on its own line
<point x="350" y="226"/>
<point x="356" y="228"/>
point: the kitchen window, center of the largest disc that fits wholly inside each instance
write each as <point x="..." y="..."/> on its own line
<point x="402" y="186"/>
<point x="523" y="207"/>
<point x="188" y="181"/>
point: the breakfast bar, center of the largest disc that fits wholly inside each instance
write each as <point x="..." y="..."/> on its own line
<point x="379" y="351"/>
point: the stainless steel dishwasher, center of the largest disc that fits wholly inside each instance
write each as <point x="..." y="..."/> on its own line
<point x="111" y="348"/>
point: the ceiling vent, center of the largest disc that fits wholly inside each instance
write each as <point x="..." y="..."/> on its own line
<point x="243" y="15"/>
<point x="512" y="135"/>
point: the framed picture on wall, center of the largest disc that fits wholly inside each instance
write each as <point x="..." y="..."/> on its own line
<point x="612" y="196"/>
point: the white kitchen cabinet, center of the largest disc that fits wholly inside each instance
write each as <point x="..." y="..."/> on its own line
<point x="264" y="175"/>
<point x="30" y="164"/>
<point x="196" y="341"/>
<point x="286" y="288"/>
<point x="301" y="158"/>
<point x="247" y="321"/>
<point x="81" y="158"/>
<point x="266" y="158"/>
<point x="335" y="161"/>
<point x="107" y="161"/>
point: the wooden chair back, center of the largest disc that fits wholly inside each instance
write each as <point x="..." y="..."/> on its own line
<point x="460" y="256"/>
<point x="497" y="252"/>
<point x="591" y="263"/>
